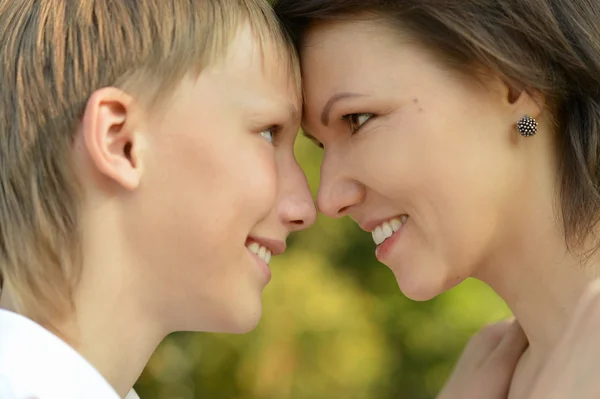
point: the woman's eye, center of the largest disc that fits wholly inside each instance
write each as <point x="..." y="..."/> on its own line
<point x="316" y="142"/>
<point x="356" y="121"/>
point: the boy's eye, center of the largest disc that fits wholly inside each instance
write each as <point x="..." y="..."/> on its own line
<point x="356" y="121"/>
<point x="269" y="134"/>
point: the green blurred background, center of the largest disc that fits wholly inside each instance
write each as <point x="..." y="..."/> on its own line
<point x="335" y="325"/>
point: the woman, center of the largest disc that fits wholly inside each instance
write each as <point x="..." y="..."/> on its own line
<point x="465" y="136"/>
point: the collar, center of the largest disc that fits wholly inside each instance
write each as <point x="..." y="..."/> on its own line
<point x="36" y="363"/>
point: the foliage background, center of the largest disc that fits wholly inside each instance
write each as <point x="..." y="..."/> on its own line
<point x="335" y="325"/>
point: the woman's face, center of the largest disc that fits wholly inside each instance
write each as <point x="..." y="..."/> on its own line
<point x="428" y="161"/>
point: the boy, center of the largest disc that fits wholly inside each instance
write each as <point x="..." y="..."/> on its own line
<point x="147" y="176"/>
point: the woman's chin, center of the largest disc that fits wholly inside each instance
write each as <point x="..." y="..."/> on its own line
<point x="421" y="285"/>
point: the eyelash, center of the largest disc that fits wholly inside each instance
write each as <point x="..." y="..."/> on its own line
<point x="348" y="118"/>
<point x="354" y="127"/>
<point x="317" y="143"/>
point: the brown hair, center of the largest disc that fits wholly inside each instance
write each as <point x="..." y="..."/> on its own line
<point x="55" y="54"/>
<point x="538" y="45"/>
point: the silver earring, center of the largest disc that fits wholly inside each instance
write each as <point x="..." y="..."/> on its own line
<point x="527" y="126"/>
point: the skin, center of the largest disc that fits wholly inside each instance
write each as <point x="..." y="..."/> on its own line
<point x="575" y="361"/>
<point x="486" y="366"/>
<point x="414" y="138"/>
<point x="173" y="199"/>
<point x="203" y="169"/>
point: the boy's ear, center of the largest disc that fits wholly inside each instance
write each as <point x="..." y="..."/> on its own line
<point x="110" y="136"/>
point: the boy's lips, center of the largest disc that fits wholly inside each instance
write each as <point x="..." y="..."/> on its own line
<point x="262" y="248"/>
<point x="277" y="247"/>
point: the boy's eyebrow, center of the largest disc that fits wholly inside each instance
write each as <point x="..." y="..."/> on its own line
<point x="294" y="112"/>
<point x="289" y="111"/>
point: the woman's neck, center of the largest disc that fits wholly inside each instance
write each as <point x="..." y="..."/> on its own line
<point x="540" y="280"/>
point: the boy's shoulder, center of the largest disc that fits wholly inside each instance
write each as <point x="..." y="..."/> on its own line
<point x="34" y="363"/>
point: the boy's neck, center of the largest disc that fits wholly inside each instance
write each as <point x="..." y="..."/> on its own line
<point x="113" y="327"/>
<point x="117" y="344"/>
<point x="109" y="333"/>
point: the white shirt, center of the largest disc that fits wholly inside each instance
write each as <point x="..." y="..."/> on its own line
<point x="36" y="364"/>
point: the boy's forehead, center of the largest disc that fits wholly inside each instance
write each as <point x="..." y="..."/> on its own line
<point x="268" y="62"/>
<point x="248" y="45"/>
<point x="277" y="57"/>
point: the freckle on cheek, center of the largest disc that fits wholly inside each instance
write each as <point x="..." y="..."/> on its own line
<point x="416" y="101"/>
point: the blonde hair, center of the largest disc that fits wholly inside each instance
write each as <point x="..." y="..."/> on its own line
<point x="55" y="54"/>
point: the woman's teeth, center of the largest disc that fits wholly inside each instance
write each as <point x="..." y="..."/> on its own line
<point x="386" y="229"/>
<point x="262" y="252"/>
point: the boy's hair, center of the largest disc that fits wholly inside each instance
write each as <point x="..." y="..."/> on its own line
<point x="55" y="54"/>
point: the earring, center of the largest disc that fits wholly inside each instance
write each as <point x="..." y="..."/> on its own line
<point x="527" y="126"/>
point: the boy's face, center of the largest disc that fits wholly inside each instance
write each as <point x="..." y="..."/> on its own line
<point x="219" y="182"/>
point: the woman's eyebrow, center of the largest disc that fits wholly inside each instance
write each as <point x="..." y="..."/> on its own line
<point x="329" y="104"/>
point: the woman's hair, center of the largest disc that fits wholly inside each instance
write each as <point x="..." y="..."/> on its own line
<point x="550" y="47"/>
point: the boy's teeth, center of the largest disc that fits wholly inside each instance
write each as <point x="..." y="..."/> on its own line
<point x="396" y="224"/>
<point x="386" y="229"/>
<point x="262" y="252"/>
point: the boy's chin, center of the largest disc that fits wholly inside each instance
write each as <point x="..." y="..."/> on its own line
<point x="240" y="318"/>
<point x="241" y="324"/>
